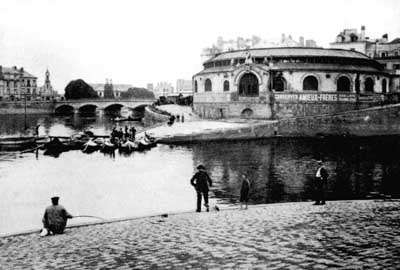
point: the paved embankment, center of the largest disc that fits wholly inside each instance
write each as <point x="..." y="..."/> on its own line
<point x="194" y="129"/>
<point x="341" y="235"/>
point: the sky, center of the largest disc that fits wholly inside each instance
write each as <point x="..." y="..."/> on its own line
<point x="140" y="42"/>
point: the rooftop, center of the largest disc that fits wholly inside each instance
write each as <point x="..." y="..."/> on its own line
<point x="15" y="70"/>
<point x="289" y="51"/>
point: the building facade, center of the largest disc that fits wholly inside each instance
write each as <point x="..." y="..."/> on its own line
<point x="381" y="49"/>
<point x="17" y="84"/>
<point x="184" y="87"/>
<point x="110" y="90"/>
<point x="276" y="83"/>
<point x="163" y="89"/>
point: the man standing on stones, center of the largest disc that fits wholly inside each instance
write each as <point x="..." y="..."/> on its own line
<point x="55" y="217"/>
<point x="321" y="177"/>
<point x="201" y="181"/>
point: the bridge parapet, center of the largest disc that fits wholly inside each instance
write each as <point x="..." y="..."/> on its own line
<point x="102" y="104"/>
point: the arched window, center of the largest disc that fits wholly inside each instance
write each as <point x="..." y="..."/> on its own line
<point x="248" y="85"/>
<point x="195" y="86"/>
<point x="343" y="84"/>
<point x="279" y="84"/>
<point x="310" y="83"/>
<point x="384" y="83"/>
<point x="247" y="113"/>
<point x="369" y="85"/>
<point x="207" y="85"/>
<point x="226" y="86"/>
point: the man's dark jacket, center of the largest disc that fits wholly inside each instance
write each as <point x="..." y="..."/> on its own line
<point x="200" y="181"/>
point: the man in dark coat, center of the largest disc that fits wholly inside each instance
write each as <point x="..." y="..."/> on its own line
<point x="201" y="181"/>
<point x="321" y="177"/>
<point x="55" y="217"/>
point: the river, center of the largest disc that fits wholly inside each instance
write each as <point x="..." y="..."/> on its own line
<point x="157" y="181"/>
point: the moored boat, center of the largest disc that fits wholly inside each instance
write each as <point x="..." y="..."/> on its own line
<point x="90" y="146"/>
<point x="129" y="146"/>
<point x="17" y="140"/>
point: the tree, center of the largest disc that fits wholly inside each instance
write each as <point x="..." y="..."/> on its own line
<point x="79" y="89"/>
<point x="136" y="92"/>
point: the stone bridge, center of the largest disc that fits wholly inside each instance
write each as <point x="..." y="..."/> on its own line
<point x="92" y="105"/>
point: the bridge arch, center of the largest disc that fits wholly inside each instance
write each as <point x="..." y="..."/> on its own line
<point x="64" y="109"/>
<point x="114" y="108"/>
<point x="87" y="108"/>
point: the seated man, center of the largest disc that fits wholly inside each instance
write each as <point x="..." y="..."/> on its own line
<point x="55" y="217"/>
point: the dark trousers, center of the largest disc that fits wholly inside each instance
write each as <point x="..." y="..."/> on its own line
<point x="205" y="195"/>
<point x="319" y="192"/>
<point x="56" y="229"/>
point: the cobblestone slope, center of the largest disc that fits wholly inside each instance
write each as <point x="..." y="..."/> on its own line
<point x="341" y="235"/>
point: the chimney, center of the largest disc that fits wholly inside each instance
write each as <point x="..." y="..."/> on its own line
<point x="362" y="34"/>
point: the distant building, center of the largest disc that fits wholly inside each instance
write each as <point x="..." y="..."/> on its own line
<point x="252" y="43"/>
<point x="15" y="84"/>
<point x="282" y="82"/>
<point x="163" y="89"/>
<point x="109" y="87"/>
<point x="150" y="87"/>
<point x="184" y="87"/>
<point x="385" y="52"/>
<point x="46" y="92"/>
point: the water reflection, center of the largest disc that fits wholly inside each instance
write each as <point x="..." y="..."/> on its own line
<point x="282" y="170"/>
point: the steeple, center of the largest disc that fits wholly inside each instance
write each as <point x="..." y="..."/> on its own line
<point x="47" y="80"/>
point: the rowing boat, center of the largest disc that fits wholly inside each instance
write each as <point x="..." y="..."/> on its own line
<point x="17" y="141"/>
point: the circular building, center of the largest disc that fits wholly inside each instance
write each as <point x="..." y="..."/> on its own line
<point x="275" y="83"/>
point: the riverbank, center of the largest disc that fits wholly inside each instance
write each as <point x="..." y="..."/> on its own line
<point x="340" y="234"/>
<point x="376" y="121"/>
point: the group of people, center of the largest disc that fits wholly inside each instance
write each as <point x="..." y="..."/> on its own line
<point x="177" y="118"/>
<point x="128" y="133"/>
<point x="56" y="216"/>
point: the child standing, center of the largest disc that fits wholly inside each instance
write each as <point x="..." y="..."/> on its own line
<point x="244" y="192"/>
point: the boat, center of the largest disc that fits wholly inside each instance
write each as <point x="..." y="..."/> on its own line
<point x="55" y="147"/>
<point x="129" y="118"/>
<point x="120" y="119"/>
<point x="129" y="146"/>
<point x="17" y="141"/>
<point x="134" y="118"/>
<point x="146" y="142"/>
<point x="90" y="146"/>
<point x="107" y="146"/>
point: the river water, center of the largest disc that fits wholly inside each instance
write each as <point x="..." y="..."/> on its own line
<point x="157" y="181"/>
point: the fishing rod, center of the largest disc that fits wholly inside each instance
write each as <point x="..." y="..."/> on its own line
<point x="87" y="216"/>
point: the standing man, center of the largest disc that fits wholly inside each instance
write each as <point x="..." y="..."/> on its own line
<point x="55" y="217"/>
<point x="321" y="178"/>
<point x="201" y="181"/>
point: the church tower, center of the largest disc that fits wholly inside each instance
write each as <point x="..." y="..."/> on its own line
<point x="46" y="90"/>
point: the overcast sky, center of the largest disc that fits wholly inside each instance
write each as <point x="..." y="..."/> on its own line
<point x="140" y="42"/>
